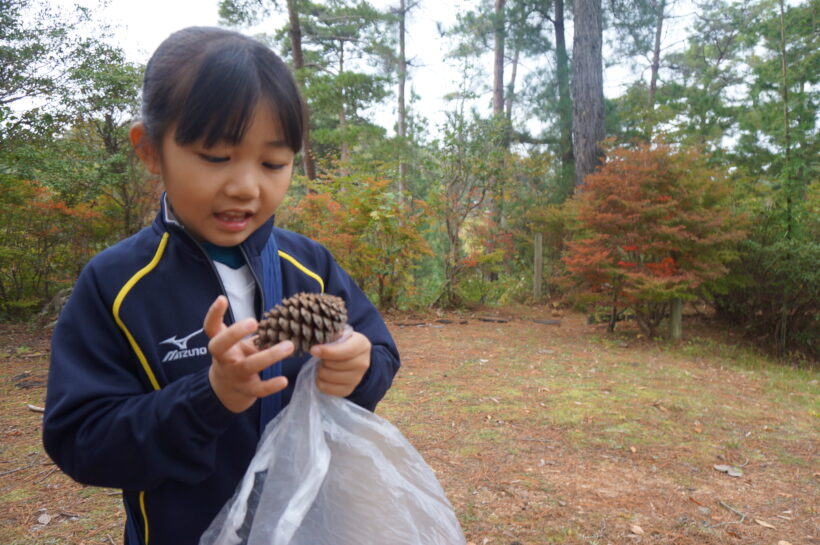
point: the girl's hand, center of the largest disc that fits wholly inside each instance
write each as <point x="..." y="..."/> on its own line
<point x="236" y="362"/>
<point x="342" y="364"/>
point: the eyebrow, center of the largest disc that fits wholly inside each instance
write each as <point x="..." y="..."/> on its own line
<point x="277" y="144"/>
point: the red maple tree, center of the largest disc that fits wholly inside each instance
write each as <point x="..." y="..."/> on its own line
<point x="654" y="225"/>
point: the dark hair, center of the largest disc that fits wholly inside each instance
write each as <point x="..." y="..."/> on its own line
<point x="209" y="80"/>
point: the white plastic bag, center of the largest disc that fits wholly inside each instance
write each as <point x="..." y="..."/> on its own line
<point x="328" y="472"/>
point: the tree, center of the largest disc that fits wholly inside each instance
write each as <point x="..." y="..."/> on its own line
<point x="39" y="45"/>
<point x="639" y="31"/>
<point x="103" y="105"/>
<point x="564" y="103"/>
<point x="401" y="126"/>
<point x="654" y="225"/>
<point x="341" y="40"/>
<point x="587" y="88"/>
<point x="247" y="12"/>
<point x="774" y="293"/>
<point x="43" y="244"/>
<point x="369" y="231"/>
<point x="83" y="96"/>
<point x="469" y="157"/>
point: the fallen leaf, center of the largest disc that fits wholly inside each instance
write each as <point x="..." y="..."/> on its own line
<point x="764" y="524"/>
<point x="782" y="542"/>
<point x="735" y="472"/>
<point x="731" y="470"/>
<point x="637" y="530"/>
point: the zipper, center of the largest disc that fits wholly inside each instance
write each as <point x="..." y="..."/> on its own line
<point x="215" y="273"/>
<point x="260" y="299"/>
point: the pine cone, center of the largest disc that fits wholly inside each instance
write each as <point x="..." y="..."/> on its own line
<point x="307" y="319"/>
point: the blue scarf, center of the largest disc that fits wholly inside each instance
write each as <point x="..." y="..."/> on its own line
<point x="272" y="292"/>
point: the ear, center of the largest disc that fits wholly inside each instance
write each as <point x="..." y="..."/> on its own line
<point x="144" y="148"/>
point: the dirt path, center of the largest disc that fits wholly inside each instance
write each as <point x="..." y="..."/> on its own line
<point x="539" y="433"/>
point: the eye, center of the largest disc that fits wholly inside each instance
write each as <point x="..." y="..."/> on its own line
<point x="274" y="166"/>
<point x="213" y="158"/>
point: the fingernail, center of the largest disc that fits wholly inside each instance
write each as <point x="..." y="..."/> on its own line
<point x="249" y="324"/>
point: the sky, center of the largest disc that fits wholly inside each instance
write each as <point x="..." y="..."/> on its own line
<point x="140" y="25"/>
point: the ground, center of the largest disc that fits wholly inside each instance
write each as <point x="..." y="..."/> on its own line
<point x="542" y="429"/>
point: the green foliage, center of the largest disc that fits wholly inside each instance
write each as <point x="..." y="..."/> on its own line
<point x="70" y="182"/>
<point x="778" y="295"/>
<point x="653" y="225"/>
<point x="469" y="160"/>
<point x="348" y="52"/>
<point x="775" y="287"/>
<point x="367" y="228"/>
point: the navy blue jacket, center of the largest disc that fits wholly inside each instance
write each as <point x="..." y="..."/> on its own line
<point x="129" y="404"/>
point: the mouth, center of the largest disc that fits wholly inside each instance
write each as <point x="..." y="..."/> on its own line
<point x="233" y="219"/>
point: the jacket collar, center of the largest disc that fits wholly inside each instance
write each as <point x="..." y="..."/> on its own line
<point x="167" y="221"/>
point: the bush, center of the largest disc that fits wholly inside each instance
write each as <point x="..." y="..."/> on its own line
<point x="43" y="245"/>
<point x="368" y="229"/>
<point x="777" y="294"/>
<point x="653" y="226"/>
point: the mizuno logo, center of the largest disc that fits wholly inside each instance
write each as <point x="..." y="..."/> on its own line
<point x="182" y="347"/>
<point x="182" y="343"/>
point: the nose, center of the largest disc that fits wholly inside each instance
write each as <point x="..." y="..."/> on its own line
<point x="243" y="182"/>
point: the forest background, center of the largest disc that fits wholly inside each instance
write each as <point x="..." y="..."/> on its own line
<point x="697" y="183"/>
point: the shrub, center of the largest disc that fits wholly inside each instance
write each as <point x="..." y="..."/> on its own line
<point x="653" y="226"/>
<point x="43" y="244"/>
<point x="373" y="234"/>
<point x="776" y="295"/>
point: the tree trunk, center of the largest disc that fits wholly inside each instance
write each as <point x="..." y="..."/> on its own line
<point x="787" y="181"/>
<point x="402" y="129"/>
<point x="498" y="62"/>
<point x="656" y="65"/>
<point x="344" y="148"/>
<point x="298" y="64"/>
<point x="499" y="33"/>
<point x="508" y="100"/>
<point x="564" y="105"/>
<point x="676" y="320"/>
<point x="588" y="89"/>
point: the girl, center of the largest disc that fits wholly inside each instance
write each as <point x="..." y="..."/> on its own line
<point x="154" y="386"/>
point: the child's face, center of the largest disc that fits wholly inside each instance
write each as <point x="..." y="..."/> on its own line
<point x="224" y="193"/>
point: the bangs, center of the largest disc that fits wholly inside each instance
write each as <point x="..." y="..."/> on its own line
<point x="231" y="80"/>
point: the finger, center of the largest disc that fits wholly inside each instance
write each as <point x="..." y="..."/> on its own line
<point x="249" y="346"/>
<point x="231" y="336"/>
<point x="334" y="389"/>
<point x="263" y="359"/>
<point x="332" y="376"/>
<point x="271" y="386"/>
<point x="214" y="319"/>
<point x="354" y="346"/>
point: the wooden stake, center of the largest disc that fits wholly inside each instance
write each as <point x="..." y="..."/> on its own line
<point x="538" y="265"/>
